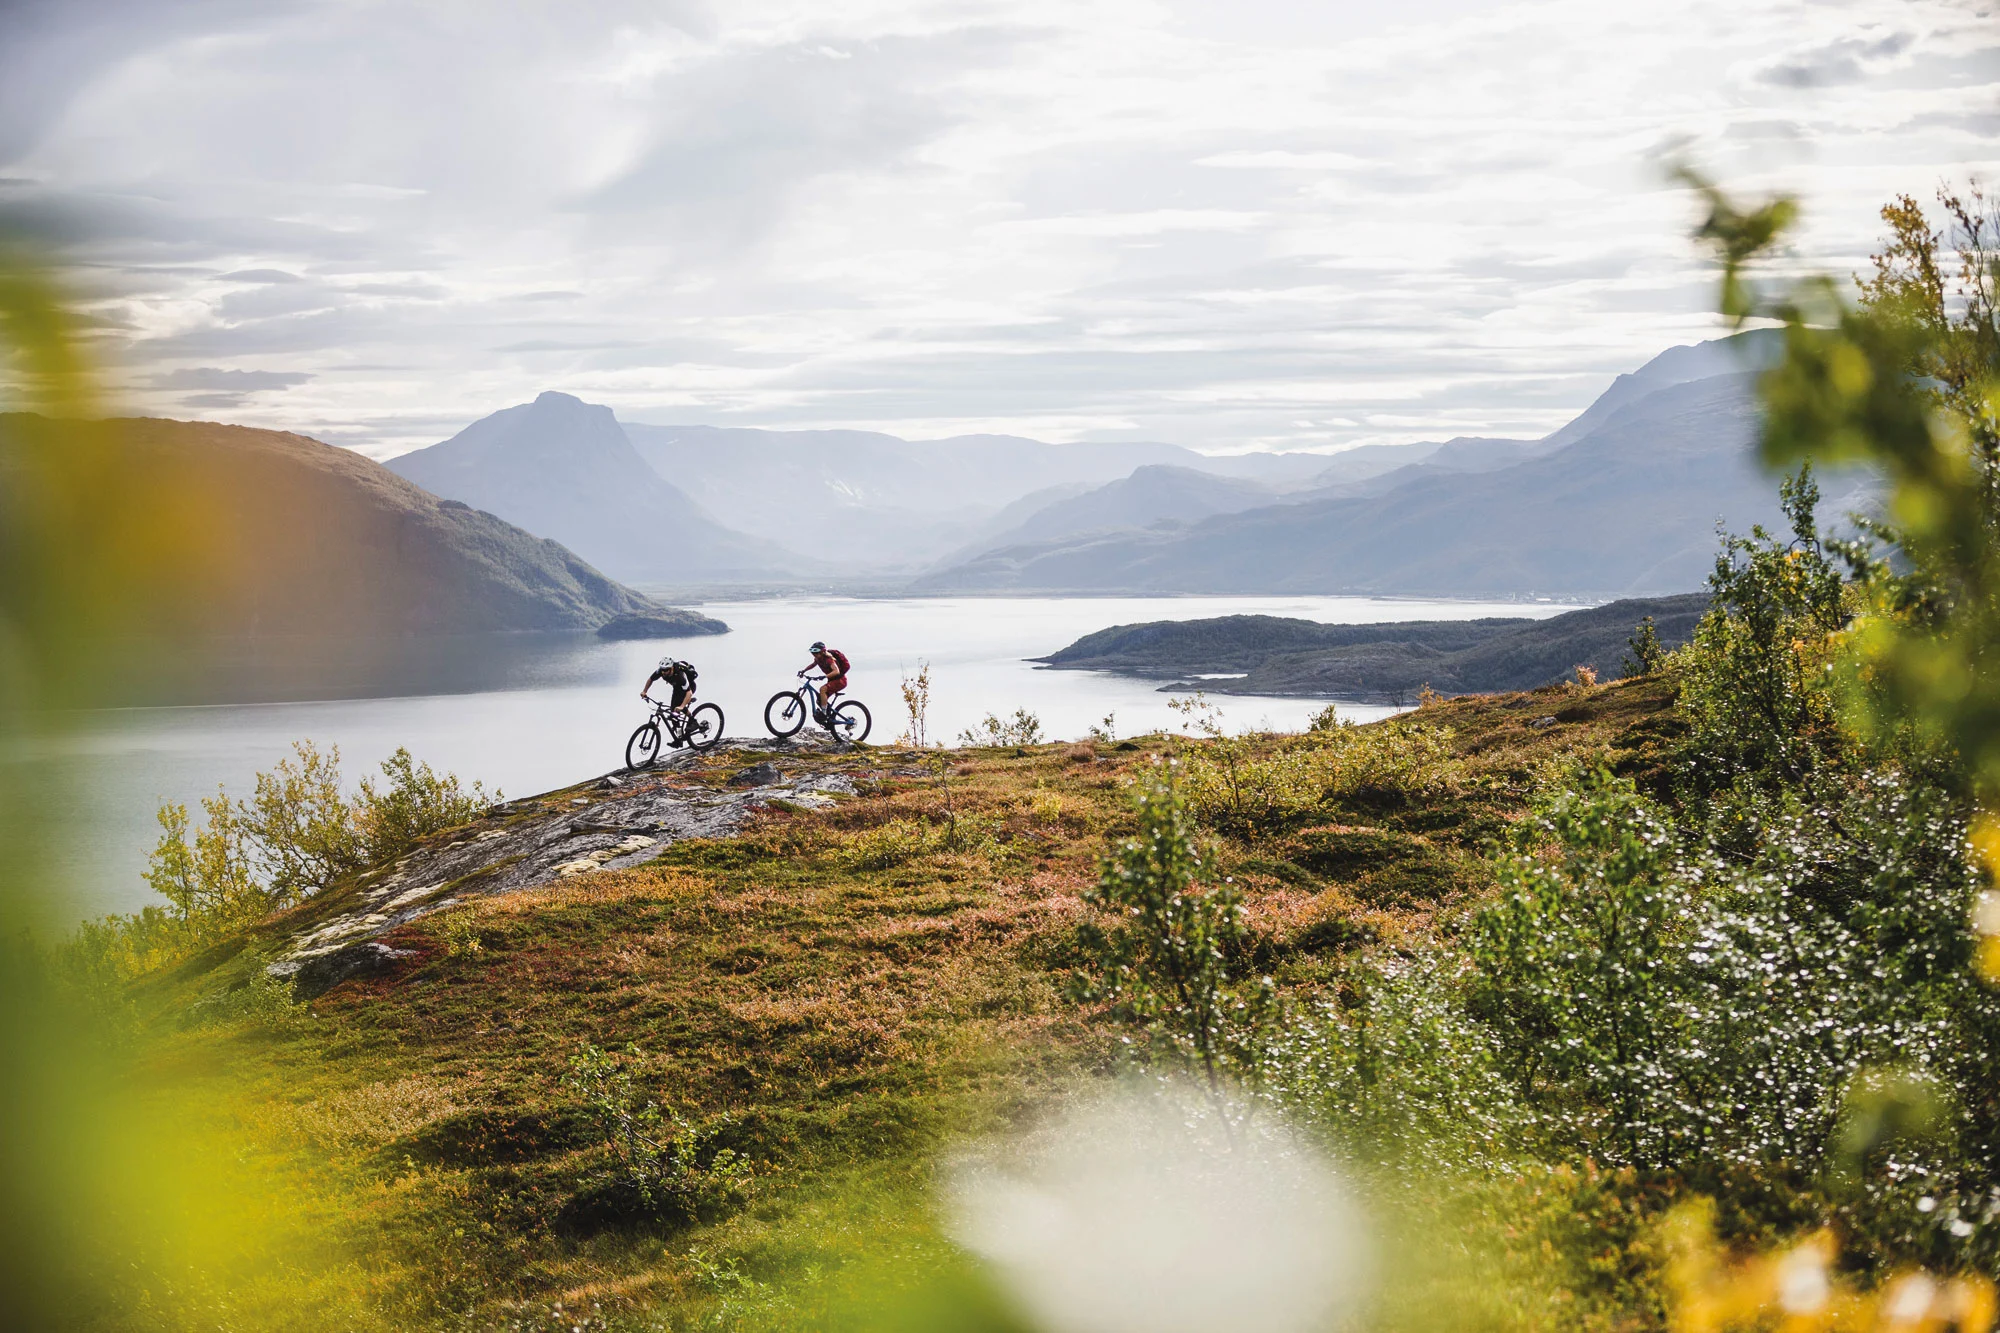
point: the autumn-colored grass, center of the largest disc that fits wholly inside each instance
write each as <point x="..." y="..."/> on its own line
<point x="838" y="1019"/>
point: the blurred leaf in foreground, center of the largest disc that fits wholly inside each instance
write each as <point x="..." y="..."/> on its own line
<point x="105" y="1209"/>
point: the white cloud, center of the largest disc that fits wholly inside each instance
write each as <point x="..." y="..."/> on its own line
<point x="1224" y="224"/>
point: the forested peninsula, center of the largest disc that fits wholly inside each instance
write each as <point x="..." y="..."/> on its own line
<point x="1276" y="655"/>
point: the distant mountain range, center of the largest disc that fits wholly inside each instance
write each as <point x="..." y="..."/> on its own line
<point x="1155" y="493"/>
<point x="564" y="469"/>
<point x="317" y="541"/>
<point x="870" y="502"/>
<point x="1624" y="500"/>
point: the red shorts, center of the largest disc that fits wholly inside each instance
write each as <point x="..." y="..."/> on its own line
<point x="835" y="684"/>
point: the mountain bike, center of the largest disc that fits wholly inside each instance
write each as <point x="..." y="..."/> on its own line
<point x="848" y="720"/>
<point x="700" y="728"/>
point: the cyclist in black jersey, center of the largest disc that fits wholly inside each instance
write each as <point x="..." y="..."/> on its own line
<point x="680" y="675"/>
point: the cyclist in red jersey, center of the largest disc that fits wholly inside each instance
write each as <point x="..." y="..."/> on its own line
<point x="833" y="663"/>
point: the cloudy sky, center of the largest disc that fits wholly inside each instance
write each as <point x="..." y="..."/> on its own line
<point x="1225" y="223"/>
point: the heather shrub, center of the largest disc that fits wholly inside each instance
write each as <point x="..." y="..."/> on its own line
<point x="662" y="1162"/>
<point x="1226" y="783"/>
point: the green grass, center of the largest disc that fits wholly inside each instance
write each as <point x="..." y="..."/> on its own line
<point x="840" y="996"/>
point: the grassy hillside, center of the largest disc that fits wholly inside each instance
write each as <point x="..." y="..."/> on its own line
<point x="837" y="995"/>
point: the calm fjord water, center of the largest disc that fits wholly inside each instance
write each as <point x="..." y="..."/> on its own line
<point x="537" y="712"/>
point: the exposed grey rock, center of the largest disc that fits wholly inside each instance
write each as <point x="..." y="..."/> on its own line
<point x="527" y="843"/>
<point x="316" y="976"/>
<point x="757" y="775"/>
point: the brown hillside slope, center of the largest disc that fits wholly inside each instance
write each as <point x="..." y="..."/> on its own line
<point x="310" y="539"/>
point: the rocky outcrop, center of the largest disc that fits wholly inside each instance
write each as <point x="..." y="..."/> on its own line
<point x="621" y="820"/>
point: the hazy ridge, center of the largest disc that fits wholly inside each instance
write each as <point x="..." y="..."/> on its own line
<point x="315" y="540"/>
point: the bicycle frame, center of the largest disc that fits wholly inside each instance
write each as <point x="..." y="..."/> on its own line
<point x="843" y="718"/>
<point x="673" y="722"/>
<point x="810" y="698"/>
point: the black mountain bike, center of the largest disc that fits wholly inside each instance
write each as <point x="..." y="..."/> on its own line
<point x="848" y="720"/>
<point x="701" y="728"/>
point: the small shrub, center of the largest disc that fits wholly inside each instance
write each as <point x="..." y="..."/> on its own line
<point x="295" y="837"/>
<point x="1397" y="763"/>
<point x="263" y="1001"/>
<point x="1399" y="1073"/>
<point x="1023" y="728"/>
<point x="670" y="1164"/>
<point x="900" y="841"/>
<point x="917" y="703"/>
<point x="1198" y="714"/>
<point x="300" y="826"/>
<point x="1166" y="966"/>
<point x="888" y="845"/>
<point x="458" y="932"/>
<point x="417" y="803"/>
<point x="210" y="884"/>
<point x="1648" y="654"/>
<point x="1047" y="807"/>
<point x="1577" y="975"/>
<point x="1105" y="729"/>
<point x="1756" y="682"/>
<point x="1586" y="676"/>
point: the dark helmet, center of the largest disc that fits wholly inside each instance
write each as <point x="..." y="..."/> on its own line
<point x="818" y="647"/>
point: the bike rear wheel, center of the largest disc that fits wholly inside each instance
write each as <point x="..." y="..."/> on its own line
<point x="704" y="730"/>
<point x="644" y="747"/>
<point x="784" y="715"/>
<point x="851" y="722"/>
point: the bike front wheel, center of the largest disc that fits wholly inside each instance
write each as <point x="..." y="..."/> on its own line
<point x="784" y="715"/>
<point x="704" y="729"/>
<point x="644" y="747"/>
<point x="851" y="722"/>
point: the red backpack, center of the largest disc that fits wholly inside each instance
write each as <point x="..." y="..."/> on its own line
<point x="839" y="661"/>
